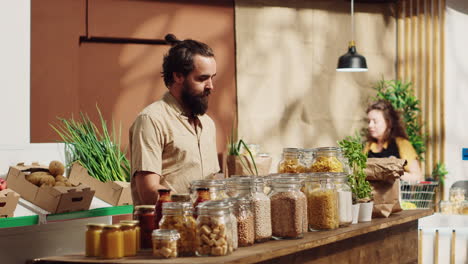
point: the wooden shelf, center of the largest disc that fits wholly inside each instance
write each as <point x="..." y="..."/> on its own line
<point x="272" y="249"/>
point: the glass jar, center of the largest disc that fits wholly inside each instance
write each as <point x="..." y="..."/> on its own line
<point x="291" y="162"/>
<point x="345" y="199"/>
<point x="203" y="195"/>
<point x="242" y="187"/>
<point x="137" y="231"/>
<point x="322" y="202"/>
<point x="464" y="206"/>
<point x="261" y="208"/>
<point x="287" y="208"/>
<point x="165" y="243"/>
<point x="456" y="195"/>
<point x="328" y="159"/>
<point x="307" y="156"/>
<point x="446" y="207"/>
<point x="145" y="215"/>
<point x="183" y="197"/>
<point x="112" y="244"/>
<point x="129" y="239"/>
<point x="164" y="196"/>
<point x="93" y="239"/>
<point x="245" y="222"/>
<point x="232" y="204"/>
<point x="217" y="189"/>
<point x="178" y="216"/>
<point x="213" y="229"/>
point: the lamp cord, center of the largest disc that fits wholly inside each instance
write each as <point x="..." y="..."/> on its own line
<point x="352" y="20"/>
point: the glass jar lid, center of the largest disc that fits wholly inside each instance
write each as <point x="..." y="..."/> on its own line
<point x="144" y="207"/>
<point x="183" y="197"/>
<point x="136" y="222"/>
<point x="214" y="207"/>
<point x="125" y="226"/>
<point x="211" y="184"/>
<point x="111" y="227"/>
<point x="96" y="226"/>
<point x="165" y="234"/>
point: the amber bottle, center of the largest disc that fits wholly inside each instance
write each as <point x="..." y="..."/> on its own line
<point x="164" y="197"/>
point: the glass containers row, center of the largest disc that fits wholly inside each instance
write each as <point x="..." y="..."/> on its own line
<point x="326" y="159"/>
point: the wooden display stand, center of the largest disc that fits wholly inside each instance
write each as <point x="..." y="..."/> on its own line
<point x="384" y="240"/>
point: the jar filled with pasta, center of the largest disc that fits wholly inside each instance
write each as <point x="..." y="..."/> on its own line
<point x="178" y="216"/>
<point x="214" y="236"/>
<point x="291" y="161"/>
<point x="328" y="159"/>
<point x="165" y="243"/>
<point x="322" y="202"/>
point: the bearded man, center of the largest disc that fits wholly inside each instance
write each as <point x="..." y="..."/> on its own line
<point x="173" y="140"/>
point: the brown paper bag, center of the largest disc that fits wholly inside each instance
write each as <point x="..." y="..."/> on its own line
<point x="234" y="165"/>
<point x="384" y="176"/>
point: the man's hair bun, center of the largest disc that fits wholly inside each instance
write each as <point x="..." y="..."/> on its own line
<point x="172" y="39"/>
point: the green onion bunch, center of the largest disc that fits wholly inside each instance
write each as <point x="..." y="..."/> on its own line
<point x="97" y="151"/>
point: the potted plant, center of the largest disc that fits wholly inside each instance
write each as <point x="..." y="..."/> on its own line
<point x="237" y="162"/>
<point x="362" y="191"/>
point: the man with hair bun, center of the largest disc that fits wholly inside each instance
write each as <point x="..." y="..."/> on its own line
<point x="173" y="140"/>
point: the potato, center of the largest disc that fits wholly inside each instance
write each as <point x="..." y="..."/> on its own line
<point x="56" y="168"/>
<point x="68" y="184"/>
<point x="35" y="177"/>
<point x="47" y="180"/>
<point x="60" y="178"/>
<point x="60" y="183"/>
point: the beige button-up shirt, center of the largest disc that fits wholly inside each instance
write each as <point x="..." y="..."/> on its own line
<point x="163" y="141"/>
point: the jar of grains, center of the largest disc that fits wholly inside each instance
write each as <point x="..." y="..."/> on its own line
<point x="245" y="222"/>
<point x="261" y="208"/>
<point x="165" y="243"/>
<point x="328" y="159"/>
<point x="213" y="229"/>
<point x="345" y="199"/>
<point x="217" y="189"/>
<point x="145" y="214"/>
<point x="178" y="216"/>
<point x="307" y="156"/>
<point x="291" y="162"/>
<point x="232" y="204"/>
<point x="322" y="202"/>
<point x="287" y="208"/>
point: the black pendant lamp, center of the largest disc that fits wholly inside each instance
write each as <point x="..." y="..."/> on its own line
<point x="352" y="61"/>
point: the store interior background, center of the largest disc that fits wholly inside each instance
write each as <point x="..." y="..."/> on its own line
<point x="285" y="58"/>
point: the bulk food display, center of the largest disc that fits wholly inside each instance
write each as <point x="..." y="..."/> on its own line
<point x="291" y="161"/>
<point x="165" y="243"/>
<point x="213" y="229"/>
<point x="287" y="207"/>
<point x="322" y="202"/>
<point x="178" y="216"/>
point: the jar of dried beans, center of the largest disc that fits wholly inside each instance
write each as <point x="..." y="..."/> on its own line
<point x="178" y="216"/>
<point x="322" y="202"/>
<point x="261" y="208"/>
<point x="345" y="199"/>
<point x="245" y="222"/>
<point x="214" y="236"/>
<point x="328" y="159"/>
<point x="287" y="208"/>
<point x="291" y="162"/>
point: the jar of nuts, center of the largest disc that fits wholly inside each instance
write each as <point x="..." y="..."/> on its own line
<point x="322" y="202"/>
<point x="214" y="236"/>
<point x="245" y="222"/>
<point x="329" y="159"/>
<point x="165" y="243"/>
<point x="178" y="216"/>
<point x="291" y="162"/>
<point x="287" y="208"/>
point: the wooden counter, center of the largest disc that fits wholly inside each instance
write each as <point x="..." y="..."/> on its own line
<point x="385" y="240"/>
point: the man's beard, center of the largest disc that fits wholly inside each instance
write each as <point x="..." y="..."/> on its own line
<point x="197" y="104"/>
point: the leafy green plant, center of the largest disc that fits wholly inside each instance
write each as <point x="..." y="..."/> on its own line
<point x="234" y="149"/>
<point x="352" y="148"/>
<point x="401" y="96"/>
<point x="95" y="150"/>
<point x="439" y="172"/>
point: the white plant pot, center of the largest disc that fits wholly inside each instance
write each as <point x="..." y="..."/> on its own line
<point x="356" y="213"/>
<point x="365" y="212"/>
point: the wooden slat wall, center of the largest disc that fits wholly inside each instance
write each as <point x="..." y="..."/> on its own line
<point x="421" y="61"/>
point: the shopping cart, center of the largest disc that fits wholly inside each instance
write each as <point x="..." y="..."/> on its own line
<point x="418" y="195"/>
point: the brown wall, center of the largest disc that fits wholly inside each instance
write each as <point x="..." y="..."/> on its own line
<point x="68" y="77"/>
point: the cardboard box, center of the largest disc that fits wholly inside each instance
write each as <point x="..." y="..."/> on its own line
<point x="114" y="192"/>
<point x="58" y="199"/>
<point x="8" y="202"/>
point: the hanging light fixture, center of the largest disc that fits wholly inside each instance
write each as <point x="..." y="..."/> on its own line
<point x="352" y="61"/>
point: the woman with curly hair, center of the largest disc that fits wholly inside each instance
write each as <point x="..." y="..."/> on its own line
<point x="387" y="137"/>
